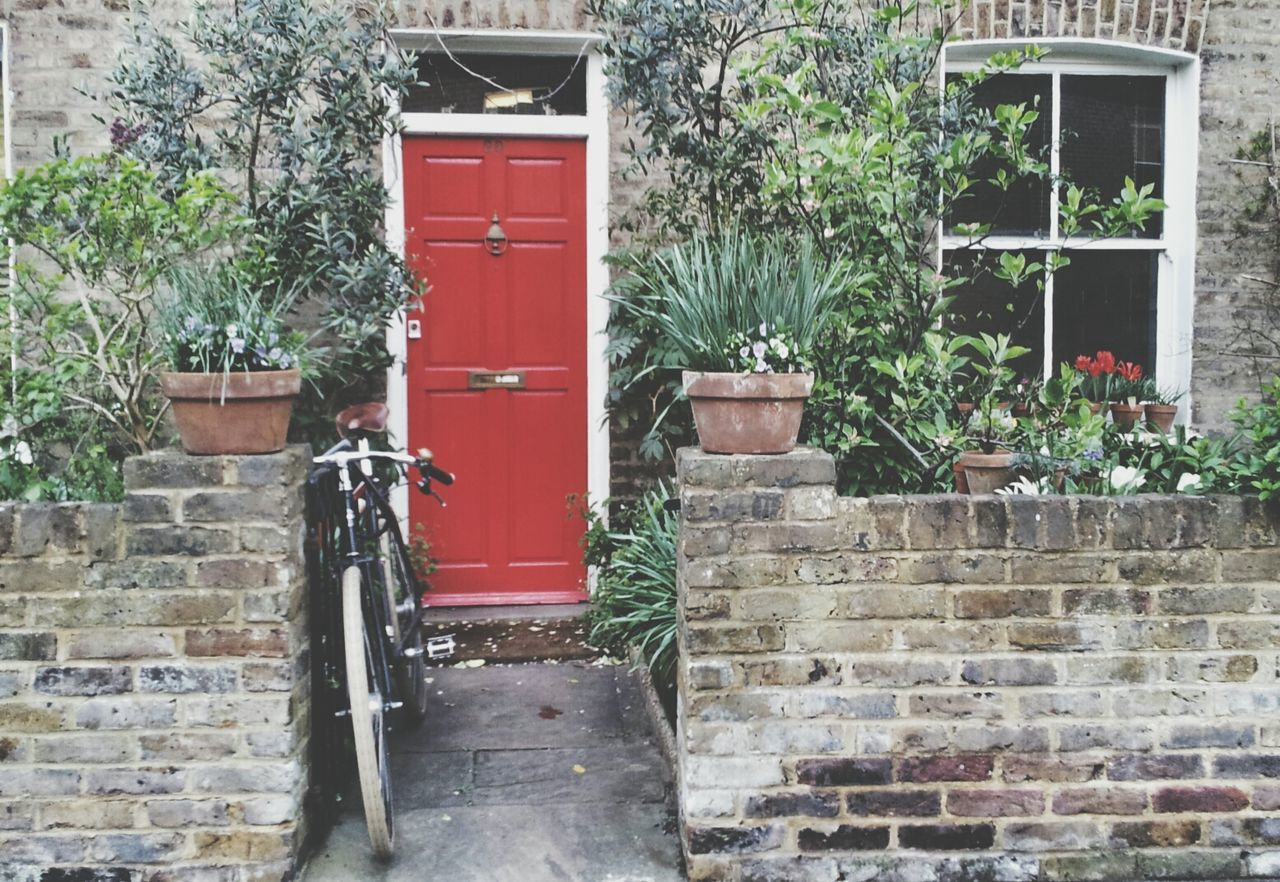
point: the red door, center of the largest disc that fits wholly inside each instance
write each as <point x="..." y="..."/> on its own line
<point x="497" y="375"/>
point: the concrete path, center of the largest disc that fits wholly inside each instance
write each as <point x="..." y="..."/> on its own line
<point x="522" y="773"/>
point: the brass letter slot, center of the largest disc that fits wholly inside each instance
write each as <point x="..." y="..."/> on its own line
<point x="487" y="380"/>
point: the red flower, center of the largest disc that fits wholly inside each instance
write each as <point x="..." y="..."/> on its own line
<point x="1106" y="362"/>
<point x="1082" y="363"/>
<point x="1095" y="367"/>
<point x="1129" y="371"/>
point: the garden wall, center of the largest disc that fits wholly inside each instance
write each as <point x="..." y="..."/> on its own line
<point x="946" y="688"/>
<point x="153" y="677"/>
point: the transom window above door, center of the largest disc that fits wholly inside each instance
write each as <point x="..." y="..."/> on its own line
<point x="1099" y="123"/>
<point x="474" y="82"/>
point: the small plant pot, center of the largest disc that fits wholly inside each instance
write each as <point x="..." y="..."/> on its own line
<point x="1095" y="407"/>
<point x="1162" y="416"/>
<point x="1126" y="416"/>
<point x="986" y="472"/>
<point x="250" y="416"/>
<point x="1020" y="410"/>
<point x="747" y="413"/>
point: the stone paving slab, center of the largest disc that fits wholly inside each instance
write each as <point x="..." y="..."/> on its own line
<point x="488" y="790"/>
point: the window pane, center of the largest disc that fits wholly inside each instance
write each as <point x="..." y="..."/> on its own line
<point x="1023" y="209"/>
<point x="526" y="84"/>
<point x="1113" y="128"/>
<point x="1106" y="300"/>
<point x="989" y="305"/>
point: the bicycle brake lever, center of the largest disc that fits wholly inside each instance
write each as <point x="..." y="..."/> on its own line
<point x="424" y="487"/>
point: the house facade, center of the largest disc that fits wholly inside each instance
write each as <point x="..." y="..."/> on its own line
<point x="510" y="213"/>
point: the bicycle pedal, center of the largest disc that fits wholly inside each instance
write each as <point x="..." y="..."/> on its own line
<point x="440" y="647"/>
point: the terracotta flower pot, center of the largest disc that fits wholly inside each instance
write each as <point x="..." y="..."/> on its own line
<point x="1126" y="416"/>
<point x="747" y="413"/>
<point x="1162" y="416"/>
<point x="962" y="481"/>
<point x="252" y="416"/>
<point x="987" y="472"/>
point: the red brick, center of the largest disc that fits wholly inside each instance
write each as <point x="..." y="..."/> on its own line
<point x="271" y="642"/>
<point x="1200" y="799"/>
<point x="1074" y="769"/>
<point x="995" y="803"/>
<point x="924" y="769"/>
<point x="895" y="803"/>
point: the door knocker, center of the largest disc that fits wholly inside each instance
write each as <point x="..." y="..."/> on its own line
<point x="496" y="240"/>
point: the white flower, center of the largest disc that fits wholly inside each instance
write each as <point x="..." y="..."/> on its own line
<point x="782" y="350"/>
<point x="758" y="349"/>
<point x="1024" y="486"/>
<point x="1007" y="423"/>
<point x="764" y="329"/>
<point x="232" y="331"/>
<point x="22" y="450"/>
<point x="827" y="233"/>
<point x="1125" y="478"/>
<point x="762" y="367"/>
<point x="1189" y="481"/>
<point x="744" y="351"/>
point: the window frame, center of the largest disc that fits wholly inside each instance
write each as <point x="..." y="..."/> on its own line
<point x="1176" y="246"/>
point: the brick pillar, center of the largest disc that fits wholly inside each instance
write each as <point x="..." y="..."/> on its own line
<point x="153" y="676"/>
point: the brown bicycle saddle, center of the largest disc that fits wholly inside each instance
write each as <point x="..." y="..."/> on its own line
<point x="371" y="416"/>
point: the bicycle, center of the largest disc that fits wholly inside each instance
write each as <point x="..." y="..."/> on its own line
<point x="358" y="547"/>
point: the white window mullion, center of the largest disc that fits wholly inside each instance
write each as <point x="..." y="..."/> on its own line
<point x="1055" y="163"/>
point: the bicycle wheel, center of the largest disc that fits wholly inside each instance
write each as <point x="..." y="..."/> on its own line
<point x="403" y="598"/>
<point x="367" y="719"/>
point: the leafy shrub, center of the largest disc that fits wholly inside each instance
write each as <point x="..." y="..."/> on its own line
<point x="635" y="598"/>
<point x="1260" y="423"/>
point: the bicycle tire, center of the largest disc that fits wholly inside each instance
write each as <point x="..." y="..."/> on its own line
<point x="367" y="719"/>
<point x="410" y="672"/>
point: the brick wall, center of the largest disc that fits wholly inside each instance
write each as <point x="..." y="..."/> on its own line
<point x="949" y="688"/>
<point x="153" y="677"/>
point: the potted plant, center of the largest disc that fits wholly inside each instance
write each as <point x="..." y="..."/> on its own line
<point x="1095" y="376"/>
<point x="234" y="367"/>
<point x="990" y="427"/>
<point x="1126" y="390"/>
<point x="1161" y="407"/>
<point x="743" y="315"/>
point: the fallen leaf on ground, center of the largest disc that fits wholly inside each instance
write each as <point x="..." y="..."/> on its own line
<point x="580" y="769"/>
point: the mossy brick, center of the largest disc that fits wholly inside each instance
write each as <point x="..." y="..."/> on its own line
<point x="990" y="522"/>
<point x="186" y="678"/>
<point x="1186" y="864"/>
<point x="1234" y="668"/>
<point x="896" y="803"/>
<point x="804" y="803"/>
<point x="735" y="639"/>
<point x="1155" y="834"/>
<point x="260" y="539"/>
<point x="1206" y="599"/>
<point x="804" y="465"/>
<point x="28" y="646"/>
<point x="1261" y="522"/>
<point x="1093" y="522"/>
<point x="1077" y="568"/>
<point x="172" y="470"/>
<point x="271" y="606"/>
<point x="935" y="522"/>
<point x="131" y="608"/>
<point x="734" y="840"/>
<point x="1055" y="636"/>
<point x="7" y="518"/>
<point x="178" y="540"/>
<point x="1098" y="866"/>
<point x="946" y="837"/>
<point x="1052" y="835"/>
<point x="1026" y="517"/>
<point x="84" y="680"/>
<point x="1198" y="520"/>
<point x="235" y="506"/>
<point x="114" y="643"/>
<point x="953" y="568"/>
<point x="103" y="532"/>
<point x="1194" y="566"/>
<point x="31" y="716"/>
<point x="1107" y="601"/>
<point x="40" y="576"/>
<point x="1252" y="565"/>
<point x="889" y="515"/>
<point x="844" y="837"/>
<point x="137" y="573"/>
<point x="143" y="508"/>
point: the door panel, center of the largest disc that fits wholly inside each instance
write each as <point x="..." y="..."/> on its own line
<point x="518" y="452"/>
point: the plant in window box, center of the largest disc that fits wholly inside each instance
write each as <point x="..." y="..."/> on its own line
<point x="1096" y="376"/>
<point x="1127" y="390"/>
<point x="744" y="315"/>
<point x="235" y="368"/>
<point x="1161" y="406"/>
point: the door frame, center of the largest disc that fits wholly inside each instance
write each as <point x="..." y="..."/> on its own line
<point x="594" y="129"/>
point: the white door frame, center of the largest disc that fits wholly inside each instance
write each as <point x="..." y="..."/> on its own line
<point x="594" y="128"/>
